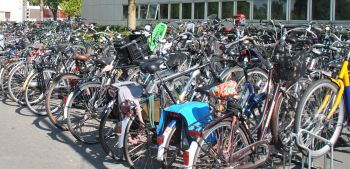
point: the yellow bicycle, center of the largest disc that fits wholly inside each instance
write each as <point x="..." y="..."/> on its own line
<point x="322" y="108"/>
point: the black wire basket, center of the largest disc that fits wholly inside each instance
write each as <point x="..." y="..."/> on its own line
<point x="290" y="67"/>
<point x="133" y="52"/>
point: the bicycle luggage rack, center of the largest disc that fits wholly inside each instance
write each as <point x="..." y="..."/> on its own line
<point x="309" y="157"/>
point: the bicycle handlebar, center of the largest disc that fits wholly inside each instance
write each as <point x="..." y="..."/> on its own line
<point x="128" y="44"/>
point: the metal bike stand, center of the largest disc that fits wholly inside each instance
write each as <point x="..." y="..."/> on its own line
<point x="309" y="157"/>
<point x="290" y="153"/>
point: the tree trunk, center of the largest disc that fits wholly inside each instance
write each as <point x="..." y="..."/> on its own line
<point x="41" y="10"/>
<point x="54" y="13"/>
<point x="132" y="14"/>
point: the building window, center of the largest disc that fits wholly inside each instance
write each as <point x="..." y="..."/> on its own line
<point x="199" y="10"/>
<point x="298" y="10"/>
<point x="243" y="7"/>
<point x="174" y="11"/>
<point x="260" y="9"/>
<point x="279" y="9"/>
<point x="342" y="11"/>
<point x="125" y="11"/>
<point x="163" y="11"/>
<point x="143" y="11"/>
<point x="213" y="8"/>
<point x="321" y="10"/>
<point x="152" y="11"/>
<point x="186" y="10"/>
<point x="227" y="9"/>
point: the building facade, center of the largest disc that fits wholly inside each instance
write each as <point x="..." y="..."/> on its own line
<point x="12" y="10"/>
<point x="291" y="11"/>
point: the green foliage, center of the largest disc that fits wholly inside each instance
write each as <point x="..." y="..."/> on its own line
<point x="71" y="7"/>
<point x="34" y="2"/>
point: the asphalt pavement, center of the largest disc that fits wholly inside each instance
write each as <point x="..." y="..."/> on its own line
<point x="28" y="141"/>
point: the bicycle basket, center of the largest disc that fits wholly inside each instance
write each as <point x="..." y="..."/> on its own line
<point x="133" y="52"/>
<point x="289" y="68"/>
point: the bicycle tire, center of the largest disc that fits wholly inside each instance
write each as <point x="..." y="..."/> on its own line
<point x="15" y="83"/>
<point x="4" y="78"/>
<point x="76" y="100"/>
<point x="35" y="94"/>
<point x="240" y="132"/>
<point x="151" y="147"/>
<point x="301" y="111"/>
<point x="109" y="138"/>
<point x="175" y="145"/>
<point x="282" y="121"/>
<point x="55" y="111"/>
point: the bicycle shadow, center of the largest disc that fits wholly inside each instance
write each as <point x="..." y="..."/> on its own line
<point x="8" y="102"/>
<point x="92" y="154"/>
<point x="24" y="111"/>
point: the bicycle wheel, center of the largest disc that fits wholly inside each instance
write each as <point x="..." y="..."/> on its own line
<point x="108" y="134"/>
<point x="308" y="118"/>
<point x="83" y="109"/>
<point x="15" y="83"/>
<point x="282" y="121"/>
<point x="140" y="147"/>
<point x="57" y="96"/>
<point x="4" y="78"/>
<point x="35" y="91"/>
<point x="214" y="148"/>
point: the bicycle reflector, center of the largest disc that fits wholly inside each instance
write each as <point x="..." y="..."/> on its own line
<point x="244" y="52"/>
<point x="160" y="140"/>
<point x="194" y="133"/>
<point x="77" y="69"/>
<point x="186" y="158"/>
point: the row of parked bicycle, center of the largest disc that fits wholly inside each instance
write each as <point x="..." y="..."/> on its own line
<point x="205" y="96"/>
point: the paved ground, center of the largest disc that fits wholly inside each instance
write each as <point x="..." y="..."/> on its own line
<point x="31" y="142"/>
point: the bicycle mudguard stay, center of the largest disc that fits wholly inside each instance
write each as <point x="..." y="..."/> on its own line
<point x="196" y="114"/>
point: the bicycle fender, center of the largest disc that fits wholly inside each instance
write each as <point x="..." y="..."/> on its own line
<point x="337" y="99"/>
<point x="191" y="153"/>
<point x="26" y="82"/>
<point x="124" y="123"/>
<point x="165" y="135"/>
<point x="65" y="110"/>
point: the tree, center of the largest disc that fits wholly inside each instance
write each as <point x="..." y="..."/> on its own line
<point x="71" y="7"/>
<point x="132" y="14"/>
<point x="53" y="6"/>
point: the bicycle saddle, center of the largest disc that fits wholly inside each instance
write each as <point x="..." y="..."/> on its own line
<point x="151" y="67"/>
<point x="82" y="57"/>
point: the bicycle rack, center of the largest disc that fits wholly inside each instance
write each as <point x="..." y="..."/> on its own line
<point x="309" y="158"/>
